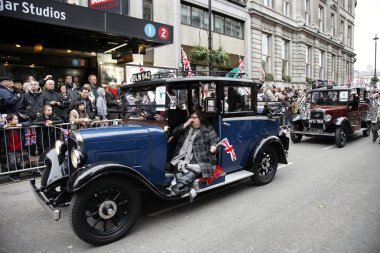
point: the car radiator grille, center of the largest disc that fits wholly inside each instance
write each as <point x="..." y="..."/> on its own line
<point x="317" y="120"/>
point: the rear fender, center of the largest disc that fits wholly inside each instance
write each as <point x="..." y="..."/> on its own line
<point x="270" y="141"/>
<point x="93" y="172"/>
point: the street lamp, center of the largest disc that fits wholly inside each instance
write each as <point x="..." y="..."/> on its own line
<point x="375" y="39"/>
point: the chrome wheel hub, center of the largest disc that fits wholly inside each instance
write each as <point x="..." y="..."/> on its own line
<point x="107" y="209"/>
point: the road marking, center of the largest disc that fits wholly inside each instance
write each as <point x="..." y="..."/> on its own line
<point x="284" y="165"/>
<point x="329" y="147"/>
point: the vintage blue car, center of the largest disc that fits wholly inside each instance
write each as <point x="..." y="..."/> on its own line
<point x="101" y="172"/>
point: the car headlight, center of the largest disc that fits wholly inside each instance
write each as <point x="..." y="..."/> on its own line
<point x="304" y="116"/>
<point x="58" y="146"/>
<point x="328" y="117"/>
<point x="75" y="157"/>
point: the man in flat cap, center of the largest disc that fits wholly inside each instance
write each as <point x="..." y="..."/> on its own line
<point x="8" y="97"/>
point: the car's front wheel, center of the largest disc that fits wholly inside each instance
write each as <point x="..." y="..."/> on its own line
<point x="340" y="137"/>
<point x="105" y="211"/>
<point x="265" y="167"/>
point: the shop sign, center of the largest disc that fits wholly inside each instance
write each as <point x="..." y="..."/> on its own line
<point x="78" y="17"/>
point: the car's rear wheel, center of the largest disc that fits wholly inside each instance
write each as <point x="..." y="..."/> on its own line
<point x="296" y="138"/>
<point x="340" y="137"/>
<point x="265" y="166"/>
<point x="105" y="211"/>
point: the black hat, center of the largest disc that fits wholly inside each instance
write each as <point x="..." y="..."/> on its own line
<point x="4" y="78"/>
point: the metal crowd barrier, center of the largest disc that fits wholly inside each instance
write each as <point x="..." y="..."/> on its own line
<point x="20" y="148"/>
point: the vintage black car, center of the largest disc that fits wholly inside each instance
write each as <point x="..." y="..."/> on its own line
<point x="335" y="111"/>
<point x="102" y="171"/>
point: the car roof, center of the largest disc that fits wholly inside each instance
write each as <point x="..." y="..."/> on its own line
<point x="189" y="79"/>
<point x="343" y="87"/>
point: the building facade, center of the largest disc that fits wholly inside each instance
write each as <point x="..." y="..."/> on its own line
<point x="298" y="41"/>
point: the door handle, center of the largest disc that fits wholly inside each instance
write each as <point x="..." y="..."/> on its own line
<point x="226" y="124"/>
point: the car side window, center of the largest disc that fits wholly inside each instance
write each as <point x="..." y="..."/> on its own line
<point x="237" y="99"/>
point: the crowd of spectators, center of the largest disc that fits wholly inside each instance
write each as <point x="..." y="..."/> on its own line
<point x="293" y="101"/>
<point x="44" y="104"/>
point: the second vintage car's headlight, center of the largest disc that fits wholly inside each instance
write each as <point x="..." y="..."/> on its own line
<point x="76" y="157"/>
<point x="60" y="147"/>
<point x="328" y="117"/>
<point x="304" y="116"/>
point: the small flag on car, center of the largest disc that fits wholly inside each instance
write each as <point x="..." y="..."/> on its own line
<point x="228" y="148"/>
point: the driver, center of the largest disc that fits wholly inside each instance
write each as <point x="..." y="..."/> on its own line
<point x="353" y="103"/>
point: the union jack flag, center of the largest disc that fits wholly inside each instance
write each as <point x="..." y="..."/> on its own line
<point x="30" y="136"/>
<point x="241" y="65"/>
<point x="186" y="64"/>
<point x="228" y="148"/>
<point x="65" y="133"/>
<point x="141" y="68"/>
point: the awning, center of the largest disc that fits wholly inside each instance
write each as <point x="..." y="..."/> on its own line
<point x="60" y="25"/>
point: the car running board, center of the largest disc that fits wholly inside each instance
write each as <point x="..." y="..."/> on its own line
<point x="229" y="178"/>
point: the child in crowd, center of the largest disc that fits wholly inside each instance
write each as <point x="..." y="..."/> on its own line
<point x="78" y="116"/>
<point x="13" y="145"/>
<point x="47" y="134"/>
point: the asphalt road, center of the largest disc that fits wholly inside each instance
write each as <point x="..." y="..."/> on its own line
<point x="326" y="200"/>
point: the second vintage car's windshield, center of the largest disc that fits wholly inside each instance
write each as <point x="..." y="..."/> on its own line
<point x="329" y="97"/>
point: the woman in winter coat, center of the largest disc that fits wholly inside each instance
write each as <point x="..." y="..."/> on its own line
<point x="78" y="116"/>
<point x="101" y="104"/>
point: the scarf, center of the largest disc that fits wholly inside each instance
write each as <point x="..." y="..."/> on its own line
<point x="186" y="152"/>
<point x="114" y="92"/>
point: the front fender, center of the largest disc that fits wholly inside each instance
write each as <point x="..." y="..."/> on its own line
<point x="270" y="141"/>
<point x="90" y="173"/>
<point x="340" y="121"/>
<point x="56" y="167"/>
<point x="296" y="118"/>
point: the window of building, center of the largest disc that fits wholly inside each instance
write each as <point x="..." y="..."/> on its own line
<point x="286" y="8"/>
<point x="342" y="30"/>
<point x="343" y="4"/>
<point x="148" y="10"/>
<point x="333" y="67"/>
<point x="332" y="26"/>
<point x="349" y="36"/>
<point x="321" y="18"/>
<point x="307" y="12"/>
<point x="233" y="28"/>
<point x="268" y="3"/>
<point x="321" y="64"/>
<point x="308" y="61"/>
<point x="218" y="24"/>
<point x="285" y="57"/>
<point x="265" y="53"/>
<point x="185" y="14"/>
<point x="76" y="2"/>
<point x="198" y="17"/>
<point x="348" y="69"/>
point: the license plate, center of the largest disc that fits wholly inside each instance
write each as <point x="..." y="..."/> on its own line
<point x="316" y="121"/>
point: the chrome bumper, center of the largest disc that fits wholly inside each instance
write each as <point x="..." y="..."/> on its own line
<point x="55" y="213"/>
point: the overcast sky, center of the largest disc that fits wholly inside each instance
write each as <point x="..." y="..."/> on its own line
<point x="367" y="24"/>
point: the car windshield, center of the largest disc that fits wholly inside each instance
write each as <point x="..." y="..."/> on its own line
<point x="329" y="97"/>
<point x="144" y="103"/>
